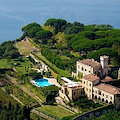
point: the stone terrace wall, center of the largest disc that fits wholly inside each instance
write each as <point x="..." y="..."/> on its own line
<point x="96" y="113"/>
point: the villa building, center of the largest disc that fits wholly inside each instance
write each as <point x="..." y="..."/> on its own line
<point x="105" y="93"/>
<point x="88" y="82"/>
<point x="94" y="89"/>
<point x="92" y="85"/>
<point x="70" y="90"/>
<point x="90" y="66"/>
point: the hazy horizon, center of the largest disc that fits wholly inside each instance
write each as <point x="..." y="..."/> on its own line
<point x="14" y="14"/>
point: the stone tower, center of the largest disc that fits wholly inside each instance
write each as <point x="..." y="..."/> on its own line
<point x="104" y="63"/>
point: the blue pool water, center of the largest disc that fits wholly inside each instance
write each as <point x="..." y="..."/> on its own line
<point x="42" y="82"/>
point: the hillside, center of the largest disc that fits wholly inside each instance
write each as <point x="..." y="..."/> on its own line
<point x="63" y="43"/>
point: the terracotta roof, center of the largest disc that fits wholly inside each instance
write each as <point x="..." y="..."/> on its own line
<point x="90" y="62"/>
<point x="107" y="79"/>
<point x="108" y="88"/>
<point x="90" y="77"/>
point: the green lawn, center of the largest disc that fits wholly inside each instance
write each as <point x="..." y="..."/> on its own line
<point x="33" y="116"/>
<point x="4" y="63"/>
<point x="24" y="47"/>
<point x="53" y="67"/>
<point x="55" y="110"/>
<point x="21" y="65"/>
<point x="76" y="54"/>
<point x="64" y="58"/>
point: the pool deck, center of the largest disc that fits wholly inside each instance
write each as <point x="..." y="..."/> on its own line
<point x="53" y="81"/>
<point x="50" y="80"/>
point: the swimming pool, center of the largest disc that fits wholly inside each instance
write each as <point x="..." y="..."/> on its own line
<point x="42" y="82"/>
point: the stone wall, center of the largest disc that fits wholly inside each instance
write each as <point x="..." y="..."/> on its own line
<point x="95" y="113"/>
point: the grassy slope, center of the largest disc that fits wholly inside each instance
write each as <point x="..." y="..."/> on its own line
<point x="55" y="110"/>
<point x="4" y="63"/>
<point x="24" y="47"/>
<point x="26" y="50"/>
<point x="33" y="116"/>
<point x="5" y="98"/>
<point x="60" y="71"/>
<point x="21" y="68"/>
<point x="64" y="58"/>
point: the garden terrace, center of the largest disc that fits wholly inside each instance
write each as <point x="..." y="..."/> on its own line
<point x="22" y="96"/>
<point x="5" y="81"/>
<point x="55" y="110"/>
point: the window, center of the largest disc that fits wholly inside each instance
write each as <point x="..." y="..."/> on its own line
<point x="106" y="96"/>
<point x="103" y="94"/>
<point x="89" y="90"/>
<point x="67" y="92"/>
<point x="99" y="92"/>
<point x="110" y="98"/>
<point x="84" y="82"/>
<point x="62" y="91"/>
<point x="85" y="69"/>
<point x="96" y="91"/>
<point x="74" y="93"/>
<point x="82" y="68"/>
<point x="89" y="71"/>
<point x="86" y="89"/>
<point x="90" y="84"/>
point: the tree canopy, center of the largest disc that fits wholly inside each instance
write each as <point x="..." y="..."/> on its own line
<point x="56" y="23"/>
<point x="43" y="34"/>
<point x="7" y="50"/>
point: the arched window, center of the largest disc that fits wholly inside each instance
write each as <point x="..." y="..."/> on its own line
<point x="106" y="101"/>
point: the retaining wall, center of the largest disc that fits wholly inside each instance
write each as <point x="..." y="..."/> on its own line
<point x="96" y="113"/>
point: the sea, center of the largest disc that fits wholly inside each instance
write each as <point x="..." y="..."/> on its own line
<point x="14" y="14"/>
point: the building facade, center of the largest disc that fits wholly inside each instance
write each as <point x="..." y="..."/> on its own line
<point x="94" y="89"/>
<point x="90" y="66"/>
<point x="70" y="90"/>
<point x="88" y="82"/>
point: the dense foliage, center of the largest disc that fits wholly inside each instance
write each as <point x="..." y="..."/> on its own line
<point x="31" y="59"/>
<point x="58" y="24"/>
<point x="50" y="92"/>
<point x="7" y="50"/>
<point x="103" y="51"/>
<point x="10" y="109"/>
<point x="14" y="112"/>
<point x="75" y="40"/>
<point x="60" y="61"/>
<point x="84" y="103"/>
<point x="35" y="75"/>
<point x="35" y="30"/>
<point x="108" y="116"/>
